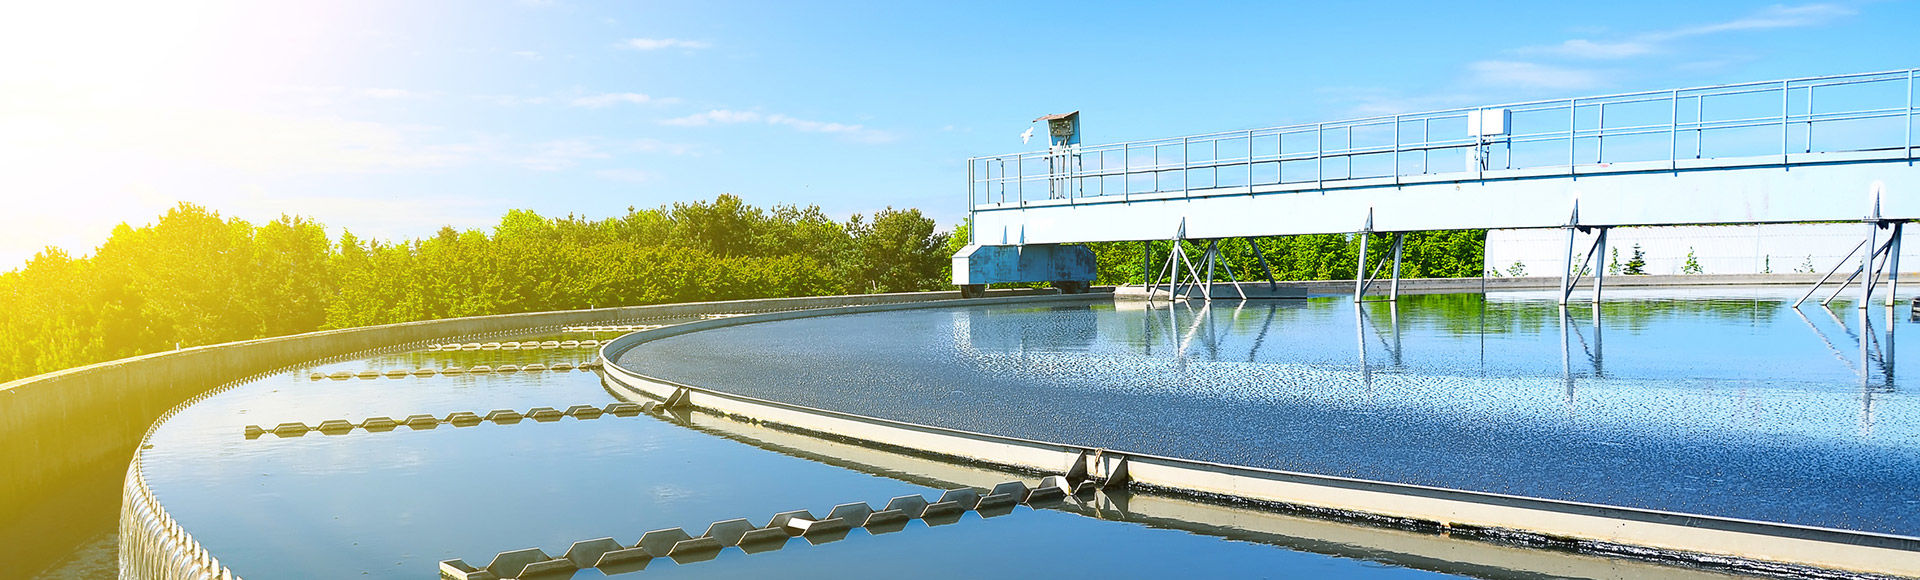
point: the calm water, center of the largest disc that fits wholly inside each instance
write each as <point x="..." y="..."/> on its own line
<point x="1722" y="402"/>
<point x="394" y="504"/>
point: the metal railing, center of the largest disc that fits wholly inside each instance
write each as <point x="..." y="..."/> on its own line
<point x="1760" y="122"/>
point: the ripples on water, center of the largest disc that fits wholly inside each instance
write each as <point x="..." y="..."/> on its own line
<point x="394" y="504"/>
<point x="1723" y="402"/>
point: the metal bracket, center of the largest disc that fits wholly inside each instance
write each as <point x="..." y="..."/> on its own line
<point x="1871" y="265"/>
<point x="1570" y="278"/>
<point x="1363" y="281"/>
<point x="681" y="397"/>
<point x="1170" y="272"/>
<point x="1091" y="465"/>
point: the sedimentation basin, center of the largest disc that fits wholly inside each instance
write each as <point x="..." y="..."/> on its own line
<point x="1708" y="425"/>
<point x="1269" y="383"/>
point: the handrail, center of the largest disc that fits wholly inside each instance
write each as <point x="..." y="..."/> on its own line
<point x="1399" y="145"/>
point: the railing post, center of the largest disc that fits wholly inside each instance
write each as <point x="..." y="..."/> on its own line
<point x="1909" y="112"/>
<point x="1320" y="156"/>
<point x="1809" y="118"/>
<point x="970" y="186"/>
<point x="1215" y="162"/>
<point x="1573" y="134"/>
<point x="1249" y="162"/>
<point x="1101" y="189"/>
<point x="1600" y="136"/>
<point x="1126" y="172"/>
<point x="1673" y="135"/>
<point x="1785" y="92"/>
<point x="1396" y="150"/>
<point x="1020" y="178"/>
<point x="1699" y="125"/>
<point x="1186" y="165"/>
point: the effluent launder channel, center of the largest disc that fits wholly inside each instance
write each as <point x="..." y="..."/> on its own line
<point x="1720" y="401"/>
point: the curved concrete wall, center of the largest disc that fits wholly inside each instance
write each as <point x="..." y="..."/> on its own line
<point x="1694" y="539"/>
<point x="66" y="437"/>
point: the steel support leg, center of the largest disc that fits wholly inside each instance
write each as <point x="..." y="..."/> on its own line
<point x="1566" y="273"/>
<point x="1235" y="280"/>
<point x="1262" y="255"/>
<point x="1360" y="269"/>
<point x="1146" y="262"/>
<point x="1829" y="276"/>
<point x="1394" y="293"/>
<point x="1213" y="253"/>
<point x="1599" y="267"/>
<point x="1893" y="267"/>
<point x="1866" y="265"/>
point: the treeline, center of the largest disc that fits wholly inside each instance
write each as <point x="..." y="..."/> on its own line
<point x="194" y="277"/>
<point x="1449" y="254"/>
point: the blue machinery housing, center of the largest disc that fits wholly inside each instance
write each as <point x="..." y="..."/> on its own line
<point x="1831" y="148"/>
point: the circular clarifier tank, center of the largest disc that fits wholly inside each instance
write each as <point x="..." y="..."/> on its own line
<point x="1721" y="401"/>
<point x="396" y="500"/>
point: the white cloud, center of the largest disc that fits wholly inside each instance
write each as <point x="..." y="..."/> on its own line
<point x="389" y="94"/>
<point x="323" y="96"/>
<point x="557" y="155"/>
<point x="1587" y="49"/>
<point x="610" y="99"/>
<point x="657" y="146"/>
<point x="1774" y="17"/>
<point x="1373" y="102"/>
<point x="722" y="116"/>
<point x="1530" y="75"/>
<point x="659" y="43"/>
<point x="526" y="54"/>
<point x="624" y="174"/>
<point x="513" y="100"/>
<point x="813" y="126"/>
<point x="728" y="117"/>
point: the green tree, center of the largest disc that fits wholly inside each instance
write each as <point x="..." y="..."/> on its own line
<point x="1637" y="265"/>
<point x="898" y="252"/>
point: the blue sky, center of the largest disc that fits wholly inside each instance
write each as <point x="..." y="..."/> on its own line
<point x="394" y="118"/>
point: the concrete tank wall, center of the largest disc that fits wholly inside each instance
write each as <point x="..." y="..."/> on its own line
<point x="66" y="437"/>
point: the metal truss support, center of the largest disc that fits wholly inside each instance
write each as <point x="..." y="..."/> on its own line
<point x="1262" y="255"/>
<point x="1170" y="272"/>
<point x="1872" y="265"/>
<point x="1213" y="257"/>
<point x="1363" y="280"/>
<point x="1570" y="278"/>
<point x="1893" y="267"/>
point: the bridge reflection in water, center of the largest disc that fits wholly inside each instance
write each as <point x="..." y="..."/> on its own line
<point x="1178" y="329"/>
<point x="1717" y="401"/>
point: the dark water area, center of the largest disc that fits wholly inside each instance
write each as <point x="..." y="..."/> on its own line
<point x="1723" y="402"/>
<point x="392" y="505"/>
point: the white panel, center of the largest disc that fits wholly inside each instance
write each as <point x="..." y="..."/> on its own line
<point x="1804" y="193"/>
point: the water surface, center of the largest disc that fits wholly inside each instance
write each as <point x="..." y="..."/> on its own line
<point x="1721" y="401"/>
<point x="392" y="505"/>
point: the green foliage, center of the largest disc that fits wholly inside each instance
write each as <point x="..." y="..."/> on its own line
<point x="1637" y="265"/>
<point x="1692" y="265"/>
<point x="194" y="278"/>
<point x="1454" y="254"/>
<point x="899" y="252"/>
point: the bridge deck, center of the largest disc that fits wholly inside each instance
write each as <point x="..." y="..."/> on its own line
<point x="1813" y="149"/>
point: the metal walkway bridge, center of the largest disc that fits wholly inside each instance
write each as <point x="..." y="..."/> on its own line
<point x="1820" y="149"/>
